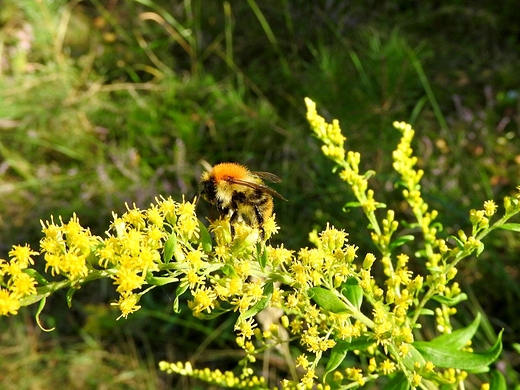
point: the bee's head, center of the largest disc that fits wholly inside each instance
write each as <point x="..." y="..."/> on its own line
<point x="207" y="187"/>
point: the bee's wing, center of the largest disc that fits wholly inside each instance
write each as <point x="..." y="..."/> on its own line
<point x="258" y="186"/>
<point x="267" y="176"/>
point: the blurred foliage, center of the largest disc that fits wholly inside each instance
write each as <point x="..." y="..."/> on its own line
<point x="104" y="103"/>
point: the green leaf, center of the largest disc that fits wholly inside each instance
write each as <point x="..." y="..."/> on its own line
<point x="169" y="248"/>
<point x="181" y="289"/>
<point x="425" y="312"/>
<point x="401" y="241"/>
<point x="498" y="382"/>
<point x="460" y="337"/>
<point x="351" y="205"/>
<point x="70" y="293"/>
<point x="327" y="300"/>
<point x="37" y="276"/>
<point x="339" y="351"/>
<point x="205" y="238"/>
<point x="409" y="225"/>
<point x="360" y="343"/>
<point x="480" y="249"/>
<point x="229" y="271"/>
<point x="398" y="382"/>
<point x="262" y="258"/>
<point x="160" y="280"/>
<point x="438" y="226"/>
<point x="412" y="357"/>
<point x="337" y="355"/>
<point x="353" y="292"/>
<point x="448" y="357"/>
<point x="216" y="312"/>
<point x="31" y="299"/>
<point x="515" y="227"/>
<point x="450" y="301"/>
<point x="260" y="305"/>
<point x="368" y="174"/>
<point x="37" y="316"/>
<point x="459" y="243"/>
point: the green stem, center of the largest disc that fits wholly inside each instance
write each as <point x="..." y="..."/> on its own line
<point x="47" y="290"/>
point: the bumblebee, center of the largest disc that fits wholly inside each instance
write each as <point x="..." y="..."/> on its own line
<point x="240" y="194"/>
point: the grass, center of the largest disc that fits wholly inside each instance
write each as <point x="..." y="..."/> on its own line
<point x="106" y="104"/>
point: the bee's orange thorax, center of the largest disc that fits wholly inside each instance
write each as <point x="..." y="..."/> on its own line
<point x="226" y="171"/>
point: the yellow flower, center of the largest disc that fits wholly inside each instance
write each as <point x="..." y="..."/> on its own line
<point x="270" y="226"/>
<point x="148" y="259"/>
<point x="308" y="379"/>
<point x="22" y="285"/>
<point x="356" y="375"/>
<point x="235" y="286"/>
<point x="132" y="242"/>
<point x="194" y="279"/>
<point x="154" y="216"/>
<point x="134" y="217"/>
<point x="167" y="208"/>
<point x="196" y="259"/>
<point x="203" y="299"/>
<point x="187" y="221"/>
<point x="154" y="236"/>
<point x="54" y="262"/>
<point x="10" y="267"/>
<point x="255" y="289"/>
<point x="22" y="254"/>
<point x="387" y="366"/>
<point x="246" y="328"/>
<point x="127" y="304"/>
<point x="128" y="280"/>
<point x="302" y="361"/>
<point x="9" y="304"/>
<point x="490" y="207"/>
<point x="74" y="265"/>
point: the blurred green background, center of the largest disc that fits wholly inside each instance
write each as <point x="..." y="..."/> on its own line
<point x="107" y="102"/>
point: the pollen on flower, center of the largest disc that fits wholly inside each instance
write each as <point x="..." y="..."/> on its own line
<point x="194" y="279"/>
<point x="127" y="303"/>
<point x="22" y="285"/>
<point x="9" y="303"/>
<point x="387" y="366"/>
<point x="203" y="300"/>
<point x="154" y="236"/>
<point x="74" y="265"/>
<point x="22" y="254"/>
<point x="490" y="207"/>
<point x="154" y="215"/>
<point x="280" y="255"/>
<point x="127" y="280"/>
<point x="356" y="375"/>
<point x="246" y="328"/>
<point x="196" y="259"/>
<point x="134" y="217"/>
<point x="187" y="221"/>
<point x="270" y="226"/>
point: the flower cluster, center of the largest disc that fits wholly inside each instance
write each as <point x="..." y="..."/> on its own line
<point x="397" y="306"/>
<point x="16" y="279"/>
<point x="326" y="300"/>
<point x="131" y="254"/>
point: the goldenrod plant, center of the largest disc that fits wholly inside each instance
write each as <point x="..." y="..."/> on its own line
<point x="351" y="325"/>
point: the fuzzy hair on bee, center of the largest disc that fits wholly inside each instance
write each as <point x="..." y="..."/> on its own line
<point x="240" y="194"/>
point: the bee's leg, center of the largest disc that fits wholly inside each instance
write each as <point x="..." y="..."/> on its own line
<point x="259" y="222"/>
<point x="233" y="218"/>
